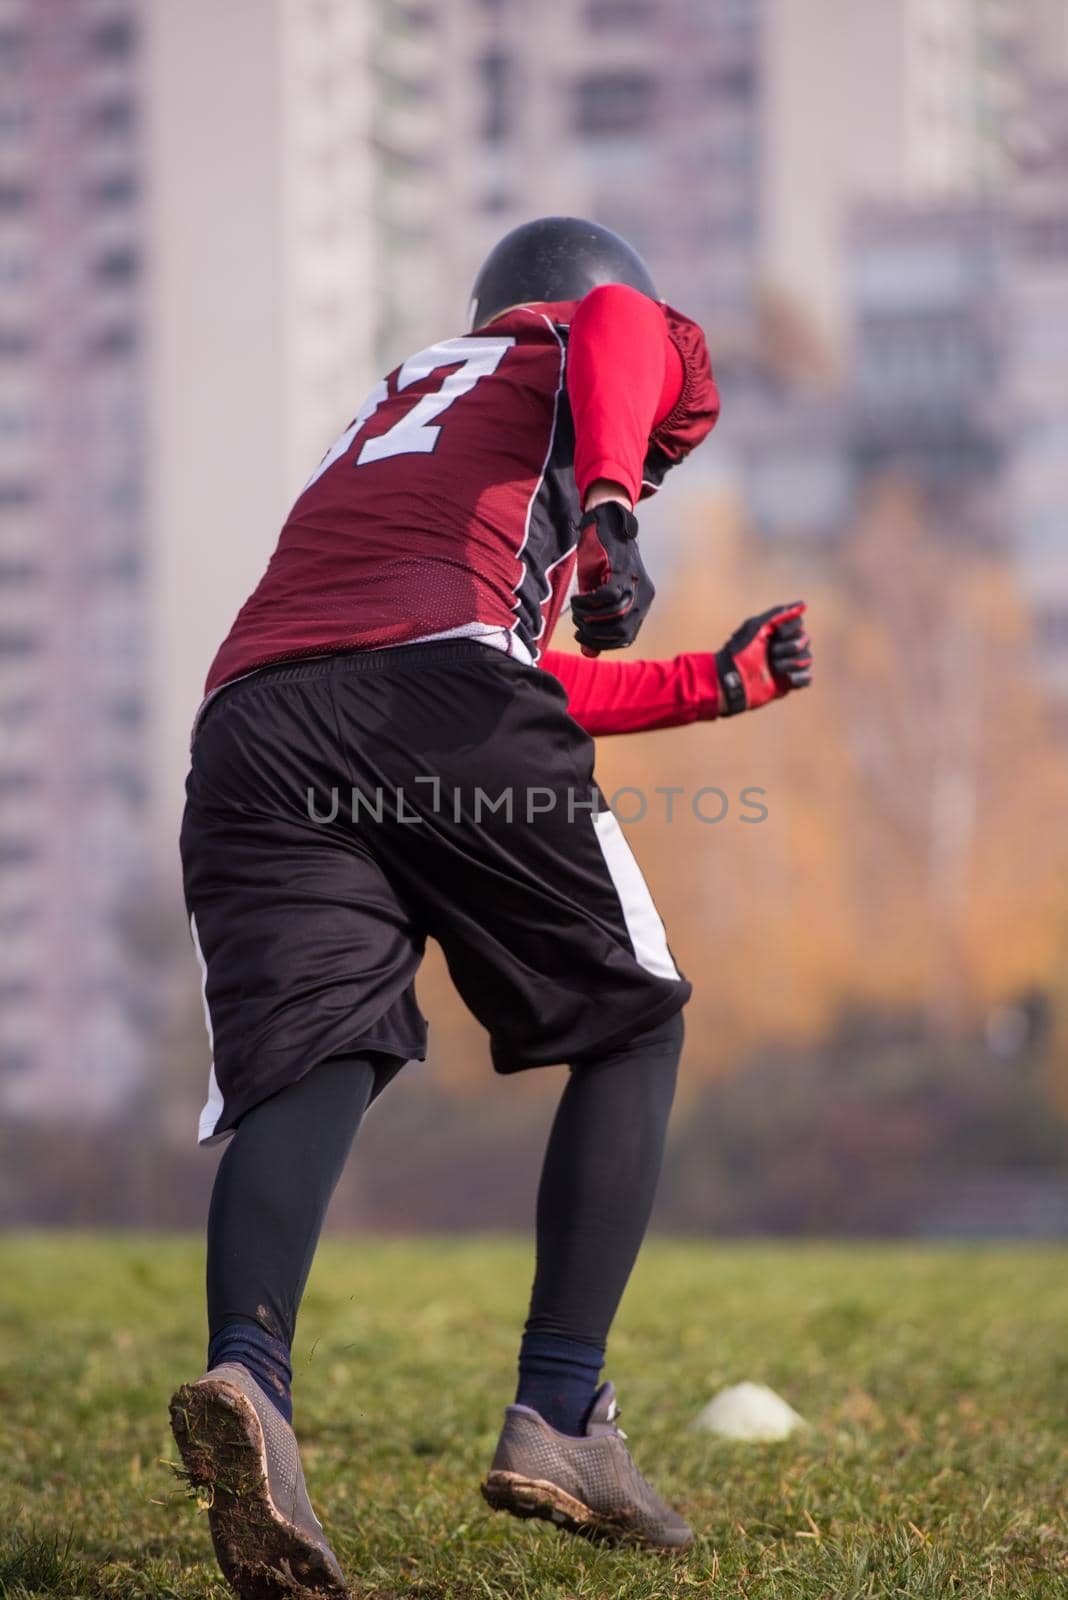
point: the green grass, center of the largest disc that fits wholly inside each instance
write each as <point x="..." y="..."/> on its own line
<point x="936" y="1383"/>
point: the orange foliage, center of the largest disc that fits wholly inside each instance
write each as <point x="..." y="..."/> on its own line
<point x="914" y="854"/>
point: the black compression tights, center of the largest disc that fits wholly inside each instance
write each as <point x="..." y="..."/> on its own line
<point x="276" y="1178"/>
<point x="271" y="1194"/>
<point x="599" y="1181"/>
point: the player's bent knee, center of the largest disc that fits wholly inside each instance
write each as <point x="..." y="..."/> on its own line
<point x="657" y="1047"/>
<point x="667" y="1035"/>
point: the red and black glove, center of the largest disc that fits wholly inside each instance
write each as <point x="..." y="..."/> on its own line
<point x="615" y="591"/>
<point x="764" y="659"/>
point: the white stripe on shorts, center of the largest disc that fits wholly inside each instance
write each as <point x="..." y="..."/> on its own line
<point x="644" y="926"/>
<point x="214" y="1104"/>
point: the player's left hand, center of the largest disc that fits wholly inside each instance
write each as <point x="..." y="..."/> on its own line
<point x="615" y="591"/>
<point x="764" y="659"/>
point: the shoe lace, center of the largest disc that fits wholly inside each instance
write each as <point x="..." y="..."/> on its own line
<point x="613" y="1413"/>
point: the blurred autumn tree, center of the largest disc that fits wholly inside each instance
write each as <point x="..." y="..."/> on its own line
<point x="914" y="854"/>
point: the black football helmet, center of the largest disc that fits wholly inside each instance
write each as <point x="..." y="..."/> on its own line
<point x="554" y="258"/>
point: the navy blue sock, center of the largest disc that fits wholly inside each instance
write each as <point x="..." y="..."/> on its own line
<point x="558" y="1379"/>
<point x="266" y="1357"/>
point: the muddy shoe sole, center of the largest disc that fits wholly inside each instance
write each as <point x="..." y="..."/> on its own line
<point x="536" y="1497"/>
<point x="263" y="1556"/>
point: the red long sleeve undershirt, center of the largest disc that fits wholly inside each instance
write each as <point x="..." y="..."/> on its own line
<point x="624" y="375"/>
<point x="609" y="696"/>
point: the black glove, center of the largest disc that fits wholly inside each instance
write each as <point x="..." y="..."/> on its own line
<point x="615" y="591"/>
<point x="764" y="659"/>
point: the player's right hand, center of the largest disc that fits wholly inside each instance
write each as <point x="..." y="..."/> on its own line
<point x="615" y="591"/>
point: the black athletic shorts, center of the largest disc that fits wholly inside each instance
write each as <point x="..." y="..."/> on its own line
<point x="342" y="810"/>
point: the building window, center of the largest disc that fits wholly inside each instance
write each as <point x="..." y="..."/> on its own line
<point x="15" y="342"/>
<point x="22" y="712"/>
<point x="112" y="116"/>
<point x="734" y="13"/>
<point x="495" y="71"/>
<point x="120" y="567"/>
<point x="121" y="782"/>
<point x="16" y="643"/>
<point x="1054" y="629"/>
<point x="732" y="227"/>
<point x="16" y="852"/>
<point x="123" y="496"/>
<point x="118" y="340"/>
<point x="1042" y="337"/>
<point x="629" y="225"/>
<point x="117" y="266"/>
<point x="16" y="991"/>
<point x="15" y="268"/>
<point x="1047" y="237"/>
<point x="409" y="18"/>
<point x="14" y="197"/>
<point x="14" y="43"/>
<point x="118" y="190"/>
<point x="127" y="711"/>
<point x="618" y="13"/>
<point x="732" y="83"/>
<point x="734" y="152"/>
<point x="496" y="201"/>
<point x="19" y="919"/>
<point x="17" y="781"/>
<point x="1044" y="437"/>
<point x="14" y="119"/>
<point x="114" y="38"/>
<point x="16" y="423"/>
<point x="14" y="573"/>
<point x="16" y="492"/>
<point x="609" y="103"/>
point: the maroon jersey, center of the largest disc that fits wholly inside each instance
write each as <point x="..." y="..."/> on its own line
<point x="449" y="507"/>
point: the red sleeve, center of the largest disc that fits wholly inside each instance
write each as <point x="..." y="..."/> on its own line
<point x="697" y="410"/>
<point x="624" y="375"/>
<point x="607" y="696"/>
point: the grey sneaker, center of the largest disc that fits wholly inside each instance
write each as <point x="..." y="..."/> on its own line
<point x="235" y="1443"/>
<point x="589" y="1485"/>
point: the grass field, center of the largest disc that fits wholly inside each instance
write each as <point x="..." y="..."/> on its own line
<point x="935" y="1381"/>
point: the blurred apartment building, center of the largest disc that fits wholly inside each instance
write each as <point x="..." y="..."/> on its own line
<point x="930" y="345"/>
<point x="927" y="268"/>
<point x="265" y="282"/>
<point x="878" y="101"/>
<point x="186" y="311"/>
<point x="960" y="319"/>
<point x="886" y="150"/>
<point x="74" y="555"/>
<point x="937" y="265"/>
<point x="644" y="114"/>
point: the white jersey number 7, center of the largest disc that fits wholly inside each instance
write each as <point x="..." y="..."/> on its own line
<point x="416" y="433"/>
